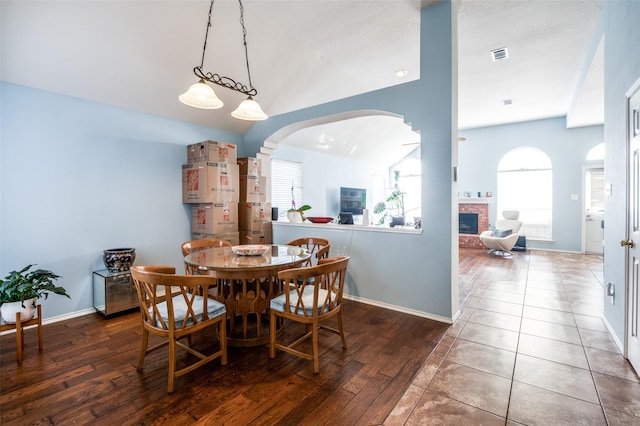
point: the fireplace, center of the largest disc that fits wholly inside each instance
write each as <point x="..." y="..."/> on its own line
<point x="476" y="210"/>
<point x="468" y="223"/>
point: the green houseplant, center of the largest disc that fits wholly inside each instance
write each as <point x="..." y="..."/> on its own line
<point x="393" y="206"/>
<point x="20" y="289"/>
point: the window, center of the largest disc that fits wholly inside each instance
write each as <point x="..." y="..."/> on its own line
<point x="284" y="175"/>
<point x="410" y="182"/>
<point x="596" y="153"/>
<point x="594" y="181"/>
<point x="525" y="184"/>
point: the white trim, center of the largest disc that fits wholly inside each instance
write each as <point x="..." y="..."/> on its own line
<point x="583" y="218"/>
<point x="366" y="228"/>
<point x="456" y="316"/>
<point x="562" y="251"/>
<point x="475" y="200"/>
<point x="627" y="100"/>
<point x="59" y="318"/>
<point x="399" y="309"/>
<point x="266" y="151"/>
<point x="617" y="341"/>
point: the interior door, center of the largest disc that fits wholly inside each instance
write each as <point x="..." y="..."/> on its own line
<point x="594" y="210"/>
<point x="633" y="240"/>
<point x="593" y="233"/>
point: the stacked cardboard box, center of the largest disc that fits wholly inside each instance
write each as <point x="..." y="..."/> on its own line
<point x="254" y="212"/>
<point x="210" y="182"/>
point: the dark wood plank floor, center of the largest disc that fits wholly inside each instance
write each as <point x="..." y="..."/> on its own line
<point x="87" y="375"/>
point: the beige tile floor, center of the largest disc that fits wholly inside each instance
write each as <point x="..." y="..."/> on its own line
<point x="531" y="351"/>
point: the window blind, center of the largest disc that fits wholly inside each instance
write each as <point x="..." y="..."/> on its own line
<point x="596" y="190"/>
<point x="284" y="176"/>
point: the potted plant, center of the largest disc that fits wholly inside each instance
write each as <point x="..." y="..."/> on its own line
<point x="296" y="214"/>
<point x="393" y="206"/>
<point x="20" y="289"/>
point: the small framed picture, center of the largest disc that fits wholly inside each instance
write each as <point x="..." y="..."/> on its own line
<point x="489" y="194"/>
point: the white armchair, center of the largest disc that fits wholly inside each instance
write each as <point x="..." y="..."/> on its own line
<point x="503" y="238"/>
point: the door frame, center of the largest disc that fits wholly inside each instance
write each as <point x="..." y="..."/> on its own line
<point x="598" y="165"/>
<point x="635" y="87"/>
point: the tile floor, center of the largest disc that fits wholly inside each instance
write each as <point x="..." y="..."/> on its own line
<point x="533" y="350"/>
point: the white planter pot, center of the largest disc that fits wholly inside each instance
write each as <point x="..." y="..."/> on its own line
<point x="9" y="310"/>
<point x="294" y="216"/>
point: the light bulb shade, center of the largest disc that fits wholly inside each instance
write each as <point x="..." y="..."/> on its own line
<point x="201" y="95"/>
<point x="249" y="110"/>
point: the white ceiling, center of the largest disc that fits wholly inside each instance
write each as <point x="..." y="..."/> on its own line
<point x="140" y="54"/>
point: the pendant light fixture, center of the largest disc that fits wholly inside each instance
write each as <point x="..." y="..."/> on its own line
<point x="201" y="95"/>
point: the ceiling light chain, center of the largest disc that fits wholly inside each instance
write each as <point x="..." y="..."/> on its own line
<point x="206" y="35"/>
<point x="200" y="95"/>
<point x="216" y="78"/>
<point x="244" y="41"/>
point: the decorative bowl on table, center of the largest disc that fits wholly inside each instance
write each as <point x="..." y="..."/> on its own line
<point x="251" y="249"/>
<point x="251" y="260"/>
<point x="319" y="219"/>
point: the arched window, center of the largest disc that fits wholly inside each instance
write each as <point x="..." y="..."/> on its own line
<point x="596" y="153"/>
<point x="525" y="184"/>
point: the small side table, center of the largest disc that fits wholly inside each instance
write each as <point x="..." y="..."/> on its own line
<point x="19" y="326"/>
<point x="114" y="292"/>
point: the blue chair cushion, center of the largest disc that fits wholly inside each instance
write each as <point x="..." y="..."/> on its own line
<point x="278" y="303"/>
<point x="214" y="308"/>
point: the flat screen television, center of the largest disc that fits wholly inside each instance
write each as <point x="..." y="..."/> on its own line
<point x="353" y="200"/>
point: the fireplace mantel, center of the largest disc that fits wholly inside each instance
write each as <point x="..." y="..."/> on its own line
<point x="474" y="200"/>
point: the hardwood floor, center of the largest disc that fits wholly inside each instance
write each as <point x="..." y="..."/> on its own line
<point x="87" y="375"/>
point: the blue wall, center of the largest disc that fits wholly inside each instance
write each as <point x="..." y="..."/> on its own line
<point x="79" y="177"/>
<point x="480" y="154"/>
<point x="324" y="174"/>
<point x="421" y="266"/>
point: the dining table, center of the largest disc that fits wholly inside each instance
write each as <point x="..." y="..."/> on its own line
<point x="247" y="280"/>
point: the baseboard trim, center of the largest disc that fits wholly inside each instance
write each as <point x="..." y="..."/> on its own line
<point x="59" y="318"/>
<point x="614" y="336"/>
<point x="355" y="299"/>
<point x="399" y="309"/>
<point x="555" y="250"/>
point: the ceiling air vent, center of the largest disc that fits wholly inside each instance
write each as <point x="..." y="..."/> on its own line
<point x="499" y="54"/>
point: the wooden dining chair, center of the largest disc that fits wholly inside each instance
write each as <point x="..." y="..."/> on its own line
<point x="318" y="247"/>
<point x="172" y="307"/>
<point x="197" y="245"/>
<point x="312" y="295"/>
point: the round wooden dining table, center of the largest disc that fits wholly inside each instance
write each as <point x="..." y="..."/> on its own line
<point x="246" y="284"/>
